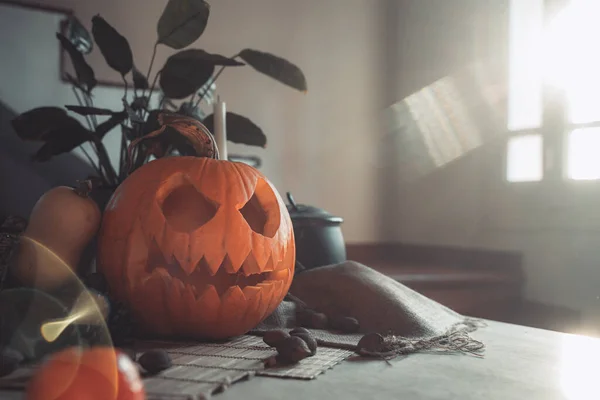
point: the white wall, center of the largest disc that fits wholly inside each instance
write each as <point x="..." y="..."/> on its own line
<point x="318" y="144"/>
<point x="557" y="227"/>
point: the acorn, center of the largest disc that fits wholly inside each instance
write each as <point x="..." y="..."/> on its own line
<point x="299" y="329"/>
<point x="292" y="350"/>
<point x="275" y="336"/>
<point x="371" y="342"/>
<point x="345" y="324"/>
<point x="155" y="361"/>
<point x="310" y="341"/>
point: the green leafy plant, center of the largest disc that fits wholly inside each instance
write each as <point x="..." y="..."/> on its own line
<point x="188" y="77"/>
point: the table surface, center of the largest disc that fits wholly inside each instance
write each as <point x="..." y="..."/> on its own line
<point x="519" y="363"/>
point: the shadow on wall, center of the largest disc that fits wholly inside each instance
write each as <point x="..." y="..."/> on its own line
<point x="23" y="181"/>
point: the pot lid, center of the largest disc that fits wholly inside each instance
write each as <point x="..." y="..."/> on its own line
<point x="309" y="213"/>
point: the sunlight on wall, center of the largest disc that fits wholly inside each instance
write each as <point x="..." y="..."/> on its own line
<point x="443" y="121"/>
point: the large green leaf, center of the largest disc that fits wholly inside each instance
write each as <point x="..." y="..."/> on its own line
<point x="81" y="110"/>
<point x="110" y="124"/>
<point x="181" y="81"/>
<point x="187" y="71"/>
<point x="200" y="56"/>
<point x="63" y="140"/>
<point x="36" y="124"/>
<point x="139" y="80"/>
<point x="85" y="74"/>
<point x="239" y="129"/>
<point x="275" y="67"/>
<point x="59" y="132"/>
<point x="113" y="46"/>
<point x="182" y="22"/>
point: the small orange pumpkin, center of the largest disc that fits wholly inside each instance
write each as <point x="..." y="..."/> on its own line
<point x="61" y="224"/>
<point x="101" y="373"/>
<point x="197" y="246"/>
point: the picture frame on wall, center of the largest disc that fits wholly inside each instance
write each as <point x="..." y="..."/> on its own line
<point x="76" y="32"/>
<point x="79" y="35"/>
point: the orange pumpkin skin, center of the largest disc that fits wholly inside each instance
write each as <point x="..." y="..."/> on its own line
<point x="197" y="247"/>
<point x="60" y="226"/>
<point x="98" y="373"/>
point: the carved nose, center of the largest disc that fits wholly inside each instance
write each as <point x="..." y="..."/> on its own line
<point x="185" y="209"/>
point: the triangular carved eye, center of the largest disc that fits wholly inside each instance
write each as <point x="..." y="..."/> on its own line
<point x="262" y="212"/>
<point x="186" y="209"/>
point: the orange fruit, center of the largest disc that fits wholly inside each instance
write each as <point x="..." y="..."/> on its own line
<point x="97" y="373"/>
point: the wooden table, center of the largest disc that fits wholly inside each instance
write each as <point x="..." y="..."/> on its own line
<point x="520" y="363"/>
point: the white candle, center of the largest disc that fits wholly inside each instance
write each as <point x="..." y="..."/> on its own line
<point x="220" y="112"/>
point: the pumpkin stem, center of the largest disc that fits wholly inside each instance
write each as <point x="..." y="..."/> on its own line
<point x="201" y="139"/>
<point x="84" y="188"/>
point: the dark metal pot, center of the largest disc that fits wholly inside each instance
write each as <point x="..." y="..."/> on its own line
<point x="318" y="235"/>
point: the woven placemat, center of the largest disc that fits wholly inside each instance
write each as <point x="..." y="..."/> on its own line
<point x="203" y="369"/>
<point x="311" y="367"/>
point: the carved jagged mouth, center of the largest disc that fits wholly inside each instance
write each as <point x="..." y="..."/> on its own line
<point x="202" y="277"/>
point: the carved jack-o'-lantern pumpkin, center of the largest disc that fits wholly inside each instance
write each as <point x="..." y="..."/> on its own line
<point x="197" y="247"/>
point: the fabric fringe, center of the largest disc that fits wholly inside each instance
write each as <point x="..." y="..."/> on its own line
<point x="455" y="340"/>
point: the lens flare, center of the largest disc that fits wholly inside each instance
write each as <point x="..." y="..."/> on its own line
<point x="89" y="308"/>
<point x="54" y="310"/>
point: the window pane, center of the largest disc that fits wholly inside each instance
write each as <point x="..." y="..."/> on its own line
<point x="570" y="61"/>
<point x="524" y="158"/>
<point x="582" y="154"/>
<point x="525" y="64"/>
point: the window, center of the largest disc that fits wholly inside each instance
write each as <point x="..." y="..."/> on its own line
<point x="554" y="91"/>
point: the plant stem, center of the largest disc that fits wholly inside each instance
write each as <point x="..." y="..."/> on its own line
<point x="139" y="160"/>
<point x="123" y="156"/>
<point x="154" y="83"/>
<point x="105" y="161"/>
<point x="213" y="80"/>
<point x="126" y="87"/>
<point x="151" y="90"/>
<point x="91" y="160"/>
<point x="123" y="140"/>
<point x="87" y="117"/>
<point x="150" y="67"/>
<point x="98" y="168"/>
<point x="90" y="103"/>
<point x="103" y="158"/>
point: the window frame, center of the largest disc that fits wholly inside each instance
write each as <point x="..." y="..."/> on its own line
<point x="554" y="130"/>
